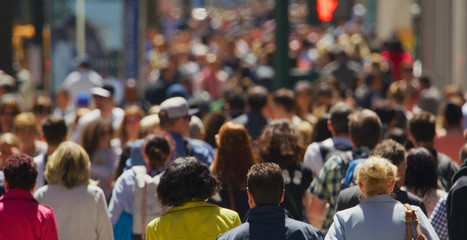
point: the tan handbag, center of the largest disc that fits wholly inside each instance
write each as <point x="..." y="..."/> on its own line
<point x="411" y="217"/>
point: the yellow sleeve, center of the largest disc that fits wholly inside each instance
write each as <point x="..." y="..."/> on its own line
<point x="150" y="232"/>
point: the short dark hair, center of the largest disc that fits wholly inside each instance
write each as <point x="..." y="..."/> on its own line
<point x="422" y="126"/>
<point x="391" y="150"/>
<point x="452" y="114"/>
<point x="284" y="97"/>
<point x="339" y="113"/>
<point x="266" y="183"/>
<point x="54" y="129"/>
<point x="421" y="173"/>
<point x="364" y="128"/>
<point x="257" y="97"/>
<point x="20" y="171"/>
<point x="186" y="178"/>
<point x="385" y="110"/>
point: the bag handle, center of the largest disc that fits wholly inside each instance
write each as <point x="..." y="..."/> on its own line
<point x="411" y="217"/>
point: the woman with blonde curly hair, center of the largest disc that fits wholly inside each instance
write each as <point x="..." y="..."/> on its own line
<point x="79" y="206"/>
<point x="234" y="157"/>
<point x="379" y="215"/>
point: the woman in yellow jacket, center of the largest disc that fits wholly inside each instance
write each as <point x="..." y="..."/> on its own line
<point x="186" y="184"/>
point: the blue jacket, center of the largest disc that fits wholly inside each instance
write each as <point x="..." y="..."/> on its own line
<point x="272" y="222"/>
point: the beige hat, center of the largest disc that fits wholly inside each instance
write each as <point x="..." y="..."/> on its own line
<point x="175" y="107"/>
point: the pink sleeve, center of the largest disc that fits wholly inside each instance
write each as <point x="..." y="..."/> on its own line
<point x="49" y="226"/>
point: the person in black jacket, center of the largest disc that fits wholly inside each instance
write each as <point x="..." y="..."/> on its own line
<point x="455" y="205"/>
<point x="394" y="152"/>
<point x="266" y="218"/>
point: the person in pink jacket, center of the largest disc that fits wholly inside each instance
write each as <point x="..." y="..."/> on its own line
<point x="21" y="216"/>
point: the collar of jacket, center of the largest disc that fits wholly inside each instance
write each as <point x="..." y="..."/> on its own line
<point x="379" y="198"/>
<point x="17" y="193"/>
<point x="266" y="212"/>
<point x="195" y="203"/>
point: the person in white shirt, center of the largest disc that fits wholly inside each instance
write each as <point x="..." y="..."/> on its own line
<point x="104" y="100"/>
<point x="83" y="79"/>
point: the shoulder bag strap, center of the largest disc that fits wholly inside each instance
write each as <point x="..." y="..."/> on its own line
<point x="411" y="216"/>
<point x="408" y="221"/>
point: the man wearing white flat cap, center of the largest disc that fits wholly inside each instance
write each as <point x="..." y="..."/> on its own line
<point x="175" y="115"/>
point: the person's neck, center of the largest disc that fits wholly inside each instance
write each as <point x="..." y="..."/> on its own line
<point x="51" y="149"/>
<point x="29" y="149"/>
<point x="341" y="135"/>
<point x="454" y="131"/>
<point x="423" y="144"/>
<point x="106" y="112"/>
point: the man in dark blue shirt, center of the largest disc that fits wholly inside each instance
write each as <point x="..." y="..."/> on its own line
<point x="266" y="218"/>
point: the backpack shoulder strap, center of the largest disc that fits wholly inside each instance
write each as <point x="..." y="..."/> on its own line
<point x="323" y="150"/>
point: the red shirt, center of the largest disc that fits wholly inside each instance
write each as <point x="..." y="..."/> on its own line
<point x="22" y="217"/>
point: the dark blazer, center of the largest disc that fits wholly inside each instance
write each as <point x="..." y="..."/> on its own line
<point x="456" y="206"/>
<point x="272" y="222"/>
<point x="349" y="197"/>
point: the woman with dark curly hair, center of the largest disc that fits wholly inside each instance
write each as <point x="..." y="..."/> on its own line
<point x="185" y="185"/>
<point x="234" y="157"/>
<point x="280" y="144"/>
<point x="421" y="177"/>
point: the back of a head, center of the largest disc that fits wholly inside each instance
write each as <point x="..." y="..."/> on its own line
<point x="69" y="166"/>
<point x="196" y="127"/>
<point x="185" y="179"/>
<point x="42" y="105"/>
<point x="157" y="148"/>
<point x="284" y="97"/>
<point x="20" y="172"/>
<point x="234" y="155"/>
<point x="376" y="175"/>
<point x="213" y="121"/>
<point x="54" y="130"/>
<point x="390" y="150"/>
<point x="25" y="119"/>
<point x="421" y="173"/>
<point x="384" y="110"/>
<point x="266" y="183"/>
<point x="321" y="131"/>
<point x="396" y="134"/>
<point x="339" y="113"/>
<point x="257" y="97"/>
<point x="422" y="127"/>
<point x="452" y="114"/>
<point x="364" y="128"/>
<point x="280" y="143"/>
<point x="237" y="101"/>
<point x="398" y="91"/>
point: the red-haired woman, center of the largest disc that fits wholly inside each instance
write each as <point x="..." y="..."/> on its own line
<point x="234" y="157"/>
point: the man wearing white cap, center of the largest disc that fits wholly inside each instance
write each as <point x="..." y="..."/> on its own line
<point x="175" y="115"/>
<point x="103" y="98"/>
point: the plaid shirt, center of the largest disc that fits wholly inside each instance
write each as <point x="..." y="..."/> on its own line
<point x="439" y="220"/>
<point x="327" y="185"/>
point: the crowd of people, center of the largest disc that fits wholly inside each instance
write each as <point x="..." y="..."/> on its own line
<point x="209" y="144"/>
